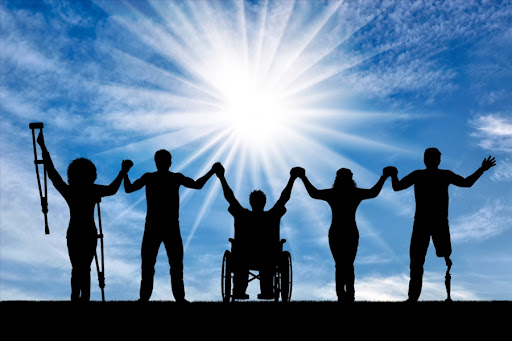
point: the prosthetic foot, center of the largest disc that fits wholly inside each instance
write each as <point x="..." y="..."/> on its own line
<point x="448" y="278"/>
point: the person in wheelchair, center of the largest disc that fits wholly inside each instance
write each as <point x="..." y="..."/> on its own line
<point x="256" y="243"/>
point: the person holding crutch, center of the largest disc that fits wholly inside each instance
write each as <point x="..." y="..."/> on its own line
<point x="431" y="217"/>
<point x="81" y="195"/>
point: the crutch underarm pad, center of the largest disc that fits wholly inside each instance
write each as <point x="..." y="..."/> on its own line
<point x="36" y="125"/>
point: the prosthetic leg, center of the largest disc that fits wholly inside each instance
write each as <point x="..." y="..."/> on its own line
<point x="448" y="278"/>
<point x="44" y="201"/>
<point x="101" y="272"/>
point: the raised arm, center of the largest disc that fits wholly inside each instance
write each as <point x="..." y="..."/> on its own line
<point x="287" y="191"/>
<point x="470" y="180"/>
<point x="397" y="184"/>
<point x="130" y="187"/>
<point x="228" y="193"/>
<point x="199" y="183"/>
<point x="114" y="185"/>
<point x="312" y="190"/>
<point x="54" y="176"/>
<point x="375" y="190"/>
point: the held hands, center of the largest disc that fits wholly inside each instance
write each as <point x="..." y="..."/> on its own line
<point x="298" y="172"/>
<point x="126" y="165"/>
<point x="488" y="163"/>
<point x="218" y="169"/>
<point x="389" y="171"/>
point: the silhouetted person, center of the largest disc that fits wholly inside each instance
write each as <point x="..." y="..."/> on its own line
<point x="256" y="236"/>
<point x="81" y="195"/>
<point x="162" y="222"/>
<point x="343" y="198"/>
<point x="431" y="217"/>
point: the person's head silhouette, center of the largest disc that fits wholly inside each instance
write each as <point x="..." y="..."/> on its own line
<point x="257" y="199"/>
<point x="432" y="158"/>
<point x="344" y="179"/>
<point x="163" y="160"/>
<point x="81" y="172"/>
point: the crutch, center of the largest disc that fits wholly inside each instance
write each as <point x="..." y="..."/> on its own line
<point x="101" y="273"/>
<point x="448" y="279"/>
<point x="44" y="199"/>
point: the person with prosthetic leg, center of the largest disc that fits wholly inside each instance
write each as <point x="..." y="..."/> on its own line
<point x="431" y="217"/>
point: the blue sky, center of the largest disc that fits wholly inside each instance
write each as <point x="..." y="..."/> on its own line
<point x="261" y="87"/>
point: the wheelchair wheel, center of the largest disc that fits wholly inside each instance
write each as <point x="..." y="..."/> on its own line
<point x="226" y="276"/>
<point x="286" y="276"/>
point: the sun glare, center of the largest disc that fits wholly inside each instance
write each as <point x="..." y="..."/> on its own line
<point x="251" y="107"/>
<point x="254" y="85"/>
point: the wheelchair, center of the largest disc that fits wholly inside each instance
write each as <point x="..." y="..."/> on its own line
<point x="281" y="261"/>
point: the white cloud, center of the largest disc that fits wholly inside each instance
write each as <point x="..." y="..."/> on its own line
<point x="395" y="288"/>
<point x="494" y="131"/>
<point x="489" y="221"/>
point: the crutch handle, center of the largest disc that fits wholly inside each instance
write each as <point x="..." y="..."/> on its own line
<point x="44" y="205"/>
<point x="36" y="125"/>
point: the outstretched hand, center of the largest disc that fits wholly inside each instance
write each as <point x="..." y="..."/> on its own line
<point x="389" y="171"/>
<point x="488" y="163"/>
<point x="126" y="165"/>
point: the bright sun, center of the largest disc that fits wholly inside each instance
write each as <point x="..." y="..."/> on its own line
<point x="254" y="109"/>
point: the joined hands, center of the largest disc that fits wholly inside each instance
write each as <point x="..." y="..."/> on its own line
<point x="126" y="165"/>
<point x="218" y="169"/>
<point x="297" y="172"/>
<point x="389" y="171"/>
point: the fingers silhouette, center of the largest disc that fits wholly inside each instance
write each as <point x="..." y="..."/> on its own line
<point x="488" y="163"/>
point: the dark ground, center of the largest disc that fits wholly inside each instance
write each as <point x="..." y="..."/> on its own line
<point x="199" y="320"/>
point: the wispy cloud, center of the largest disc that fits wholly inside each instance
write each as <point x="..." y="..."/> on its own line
<point x="502" y="170"/>
<point x="491" y="220"/>
<point x="494" y="131"/>
<point x="417" y="35"/>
